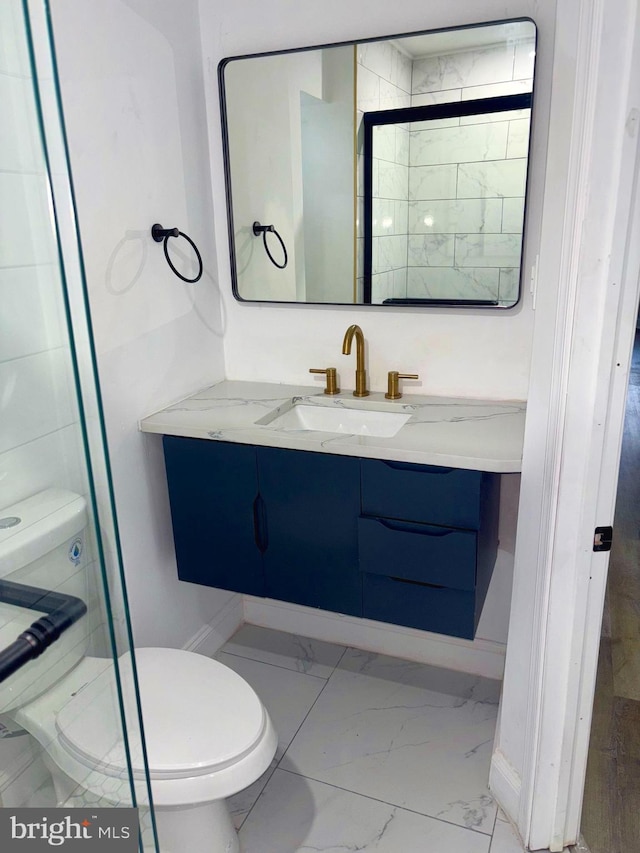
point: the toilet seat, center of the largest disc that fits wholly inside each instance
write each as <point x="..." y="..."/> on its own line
<point x="199" y="717"/>
<point x="50" y="719"/>
<point x="207" y="734"/>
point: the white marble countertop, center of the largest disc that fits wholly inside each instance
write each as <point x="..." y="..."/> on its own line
<point x="482" y="435"/>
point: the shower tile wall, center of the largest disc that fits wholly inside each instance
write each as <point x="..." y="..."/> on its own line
<point x="40" y="441"/>
<point x="389" y="244"/>
<point x="384" y="83"/>
<point x="465" y="176"/>
<point x="39" y="432"/>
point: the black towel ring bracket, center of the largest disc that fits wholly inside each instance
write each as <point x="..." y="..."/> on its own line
<point x="159" y="234"/>
<point x="264" y="229"/>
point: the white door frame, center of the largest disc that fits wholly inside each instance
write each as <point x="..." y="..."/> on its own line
<point x="581" y="359"/>
<point x="617" y="337"/>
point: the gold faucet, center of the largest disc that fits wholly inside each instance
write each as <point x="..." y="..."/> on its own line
<point x="361" y="373"/>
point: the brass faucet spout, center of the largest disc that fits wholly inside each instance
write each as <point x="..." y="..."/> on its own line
<point x="361" y="374"/>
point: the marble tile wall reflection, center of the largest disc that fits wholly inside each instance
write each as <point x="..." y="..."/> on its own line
<point x="462" y="144"/>
<point x="498" y="179"/>
<point x="487" y="250"/>
<point x="465" y="183"/>
<point x="467" y="179"/>
<point x="492" y="64"/>
<point x="455" y="283"/>
<point x="384" y="82"/>
<point x="40" y="439"/>
<point x="393" y="70"/>
<point x="482" y="215"/>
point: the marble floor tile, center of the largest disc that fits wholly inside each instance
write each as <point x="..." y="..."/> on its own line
<point x="505" y="838"/>
<point x="287" y="696"/>
<point x="411" y="735"/>
<point x="311" y="657"/>
<point x="240" y="804"/>
<point x="294" y="814"/>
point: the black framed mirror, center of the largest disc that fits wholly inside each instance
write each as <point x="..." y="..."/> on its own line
<point x="381" y="172"/>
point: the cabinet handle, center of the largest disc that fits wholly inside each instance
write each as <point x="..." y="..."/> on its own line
<point x="260" y="532"/>
<point x="417" y="527"/>
<point x="418" y="583"/>
<point x="408" y="466"/>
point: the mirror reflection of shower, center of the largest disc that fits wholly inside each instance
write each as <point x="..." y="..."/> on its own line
<point x="422" y="248"/>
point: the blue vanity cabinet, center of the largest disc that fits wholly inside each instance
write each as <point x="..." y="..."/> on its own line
<point x="216" y="512"/>
<point x="266" y="521"/>
<point x="410" y="544"/>
<point x="428" y="539"/>
<point x="312" y="504"/>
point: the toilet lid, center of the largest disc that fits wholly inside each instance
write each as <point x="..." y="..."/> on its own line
<point x="199" y="716"/>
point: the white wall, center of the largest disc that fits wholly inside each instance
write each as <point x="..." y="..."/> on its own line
<point x="480" y="354"/>
<point x="134" y="108"/>
<point x="328" y="167"/>
<point x="263" y="117"/>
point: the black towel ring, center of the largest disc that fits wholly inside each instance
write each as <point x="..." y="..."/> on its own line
<point x="257" y="229"/>
<point x="159" y="234"/>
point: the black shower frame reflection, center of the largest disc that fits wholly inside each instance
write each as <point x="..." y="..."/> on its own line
<point x="432" y="112"/>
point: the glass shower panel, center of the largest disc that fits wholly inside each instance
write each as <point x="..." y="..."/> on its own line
<point x="70" y="726"/>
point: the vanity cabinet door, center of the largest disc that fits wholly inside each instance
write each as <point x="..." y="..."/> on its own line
<point x="216" y="513"/>
<point x="312" y="504"/>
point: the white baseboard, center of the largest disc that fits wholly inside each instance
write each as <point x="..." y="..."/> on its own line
<point x="479" y="657"/>
<point x="505" y="785"/>
<point x="224" y="624"/>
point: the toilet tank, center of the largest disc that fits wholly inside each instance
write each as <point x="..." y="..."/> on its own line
<point x="43" y="544"/>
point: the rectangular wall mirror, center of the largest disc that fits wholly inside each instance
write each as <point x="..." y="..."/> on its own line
<point x="387" y="172"/>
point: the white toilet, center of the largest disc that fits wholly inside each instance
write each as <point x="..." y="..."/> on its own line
<point x="207" y="734"/>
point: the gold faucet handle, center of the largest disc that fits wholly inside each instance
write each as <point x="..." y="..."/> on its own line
<point x="393" y="392"/>
<point x="332" y="379"/>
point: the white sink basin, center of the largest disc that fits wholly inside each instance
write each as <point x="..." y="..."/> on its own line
<point x="341" y="420"/>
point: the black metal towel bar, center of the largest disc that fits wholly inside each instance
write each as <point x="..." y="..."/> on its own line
<point x="159" y="234"/>
<point x="61" y="611"/>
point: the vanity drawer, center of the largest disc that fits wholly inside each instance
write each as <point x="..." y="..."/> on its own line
<point x="430" y="608"/>
<point x="418" y="552"/>
<point x="448" y="496"/>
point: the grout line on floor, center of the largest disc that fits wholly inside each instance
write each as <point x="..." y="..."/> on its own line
<point x="346" y="649"/>
<point x="386" y="803"/>
<point x="302" y="723"/>
<point x="279" y="761"/>
<point x="495" y="821"/>
<point x="326" y="681"/>
<point x="276" y="665"/>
